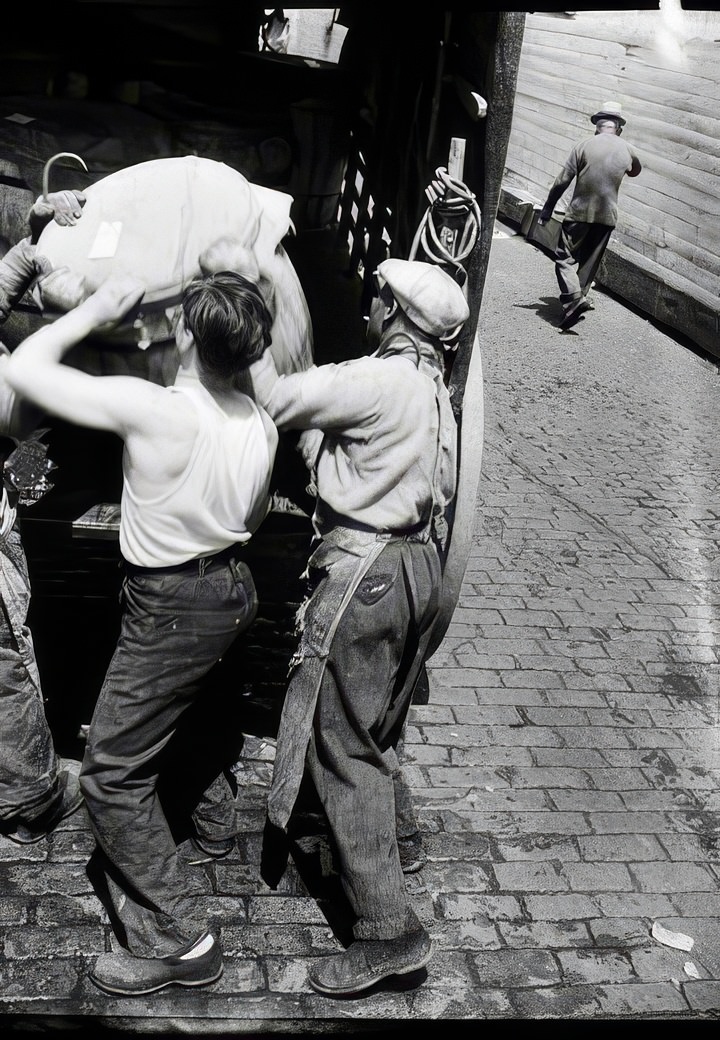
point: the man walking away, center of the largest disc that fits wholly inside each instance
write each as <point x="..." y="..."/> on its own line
<point x="598" y="165"/>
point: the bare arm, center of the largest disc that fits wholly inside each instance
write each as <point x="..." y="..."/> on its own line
<point x="35" y="370"/>
<point x="18" y="418"/>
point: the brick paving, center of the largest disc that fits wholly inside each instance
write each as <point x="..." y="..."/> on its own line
<point x="566" y="767"/>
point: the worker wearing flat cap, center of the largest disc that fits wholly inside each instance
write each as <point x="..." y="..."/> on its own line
<point x="385" y="471"/>
<point x="597" y="165"/>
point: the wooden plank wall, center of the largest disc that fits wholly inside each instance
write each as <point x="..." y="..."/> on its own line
<point x="664" y="68"/>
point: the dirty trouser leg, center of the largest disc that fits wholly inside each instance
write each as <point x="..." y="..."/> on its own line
<point x="363" y="700"/>
<point x="215" y="815"/>
<point x="176" y="625"/>
<point x="580" y="249"/>
<point x="406" y="825"/>
<point x="28" y="765"/>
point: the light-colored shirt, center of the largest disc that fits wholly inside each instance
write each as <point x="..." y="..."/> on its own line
<point x="380" y="417"/>
<point x="221" y="497"/>
<point x="598" y="165"/>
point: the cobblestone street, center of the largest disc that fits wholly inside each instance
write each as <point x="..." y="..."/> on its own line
<point x="566" y="767"/>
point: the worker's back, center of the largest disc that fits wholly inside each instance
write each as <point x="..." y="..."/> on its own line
<point x="602" y="162"/>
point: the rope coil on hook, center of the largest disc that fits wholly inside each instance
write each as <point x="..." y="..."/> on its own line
<point x="448" y="197"/>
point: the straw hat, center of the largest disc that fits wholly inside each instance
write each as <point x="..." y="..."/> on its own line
<point x="609" y="110"/>
<point x="430" y="297"/>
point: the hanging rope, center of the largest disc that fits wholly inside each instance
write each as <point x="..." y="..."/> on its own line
<point x="450" y="227"/>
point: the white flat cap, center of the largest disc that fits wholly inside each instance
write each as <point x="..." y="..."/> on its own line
<point x="429" y="296"/>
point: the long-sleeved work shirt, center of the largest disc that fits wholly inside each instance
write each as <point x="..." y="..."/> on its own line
<point x="382" y="434"/>
<point x="598" y="165"/>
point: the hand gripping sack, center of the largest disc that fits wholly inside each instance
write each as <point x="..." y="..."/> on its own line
<point x="157" y="220"/>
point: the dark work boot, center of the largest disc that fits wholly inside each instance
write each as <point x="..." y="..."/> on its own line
<point x="368" y="961"/>
<point x="67" y="801"/>
<point x="197" y="964"/>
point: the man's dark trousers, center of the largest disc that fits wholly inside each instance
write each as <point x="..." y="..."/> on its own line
<point x="577" y="257"/>
<point x="375" y="658"/>
<point x="177" y="624"/>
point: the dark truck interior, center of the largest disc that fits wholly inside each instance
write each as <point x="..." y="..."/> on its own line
<point x="355" y="141"/>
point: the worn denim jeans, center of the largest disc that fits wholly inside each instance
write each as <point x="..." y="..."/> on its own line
<point x="367" y="685"/>
<point x="28" y="765"/>
<point x="176" y="625"/>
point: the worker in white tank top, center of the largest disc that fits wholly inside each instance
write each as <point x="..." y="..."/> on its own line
<point x="197" y="462"/>
<point x="217" y="500"/>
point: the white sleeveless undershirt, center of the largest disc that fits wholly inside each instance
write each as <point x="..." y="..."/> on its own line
<point x="221" y="497"/>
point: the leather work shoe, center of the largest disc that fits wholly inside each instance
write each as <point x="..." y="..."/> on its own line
<point x="67" y="801"/>
<point x="197" y="964"/>
<point x="574" y="313"/>
<point x="368" y="961"/>
<point x="197" y="850"/>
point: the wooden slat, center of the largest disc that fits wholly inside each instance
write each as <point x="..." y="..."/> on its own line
<point x="671" y="280"/>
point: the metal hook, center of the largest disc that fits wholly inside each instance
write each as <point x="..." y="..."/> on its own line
<point x="48" y="164"/>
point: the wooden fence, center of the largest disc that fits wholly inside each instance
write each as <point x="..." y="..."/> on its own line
<point x="663" y="67"/>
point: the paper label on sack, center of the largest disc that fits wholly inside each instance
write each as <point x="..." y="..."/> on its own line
<point x="106" y="240"/>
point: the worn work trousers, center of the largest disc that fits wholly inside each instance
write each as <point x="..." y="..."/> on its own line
<point x="375" y="658"/>
<point x="579" y="251"/>
<point x="176" y="625"/>
<point x="28" y="765"/>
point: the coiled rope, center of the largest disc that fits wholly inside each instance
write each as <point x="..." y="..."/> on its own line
<point x="449" y="199"/>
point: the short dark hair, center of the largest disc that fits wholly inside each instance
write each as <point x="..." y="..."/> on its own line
<point x="229" y="320"/>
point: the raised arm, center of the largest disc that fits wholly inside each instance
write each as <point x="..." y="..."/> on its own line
<point x="35" y="369"/>
<point x="324" y="397"/>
